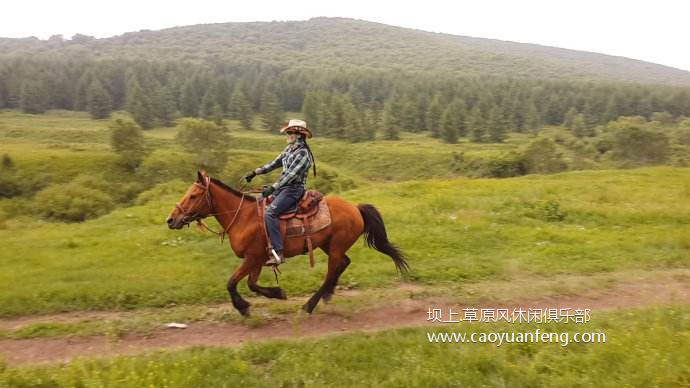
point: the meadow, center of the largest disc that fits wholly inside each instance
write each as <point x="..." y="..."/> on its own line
<point x="459" y="233"/>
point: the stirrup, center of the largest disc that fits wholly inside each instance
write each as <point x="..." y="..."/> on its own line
<point x="274" y="260"/>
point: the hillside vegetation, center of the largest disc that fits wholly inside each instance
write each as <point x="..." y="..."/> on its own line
<point x="352" y="44"/>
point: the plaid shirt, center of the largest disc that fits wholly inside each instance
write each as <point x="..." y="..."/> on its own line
<point x="295" y="161"/>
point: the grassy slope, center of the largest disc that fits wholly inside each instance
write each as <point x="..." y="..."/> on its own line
<point x="452" y="230"/>
<point x="346" y="43"/>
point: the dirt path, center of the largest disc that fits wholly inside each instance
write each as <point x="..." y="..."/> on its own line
<point x="408" y="312"/>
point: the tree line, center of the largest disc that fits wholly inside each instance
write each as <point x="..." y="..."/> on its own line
<point x="346" y="104"/>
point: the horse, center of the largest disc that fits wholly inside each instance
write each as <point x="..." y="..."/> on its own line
<point x="237" y="213"/>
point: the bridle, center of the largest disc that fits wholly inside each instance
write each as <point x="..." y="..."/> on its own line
<point x="188" y="217"/>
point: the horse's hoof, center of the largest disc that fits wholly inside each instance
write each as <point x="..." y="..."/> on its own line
<point x="307" y="308"/>
<point x="244" y="311"/>
<point x="282" y="295"/>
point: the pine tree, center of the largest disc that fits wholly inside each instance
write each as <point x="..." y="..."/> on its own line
<point x="579" y="126"/>
<point x="99" y="102"/>
<point x="570" y="118"/>
<point x="207" y="105"/>
<point x="81" y="91"/>
<point x="189" y="100"/>
<point x="335" y="117"/>
<point x="532" y="118"/>
<point x="449" y="127"/>
<point x="127" y="141"/>
<point x="32" y="97"/>
<point x="354" y="130"/>
<point x="371" y="123"/>
<point x="391" y="114"/>
<point x="272" y="115"/>
<point x="497" y="125"/>
<point x="140" y="106"/>
<point x="217" y="115"/>
<point x="475" y="125"/>
<point x="611" y="112"/>
<point x="311" y="110"/>
<point x="433" y="117"/>
<point x="240" y="109"/>
<point x="164" y="106"/>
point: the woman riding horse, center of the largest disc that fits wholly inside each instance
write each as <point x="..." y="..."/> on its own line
<point x="295" y="159"/>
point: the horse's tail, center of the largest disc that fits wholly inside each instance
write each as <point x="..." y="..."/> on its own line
<point x="376" y="237"/>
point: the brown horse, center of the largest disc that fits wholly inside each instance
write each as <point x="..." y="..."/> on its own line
<point x="237" y="213"/>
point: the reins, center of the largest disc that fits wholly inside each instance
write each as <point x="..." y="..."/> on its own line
<point x="200" y="222"/>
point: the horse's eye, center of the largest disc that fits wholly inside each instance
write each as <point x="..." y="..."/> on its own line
<point x="192" y="196"/>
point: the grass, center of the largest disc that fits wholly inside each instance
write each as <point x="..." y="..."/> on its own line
<point x="453" y="231"/>
<point x="644" y="347"/>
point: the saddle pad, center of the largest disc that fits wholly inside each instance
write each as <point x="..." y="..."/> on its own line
<point x="320" y="220"/>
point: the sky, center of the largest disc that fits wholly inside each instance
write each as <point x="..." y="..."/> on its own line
<point x="654" y="31"/>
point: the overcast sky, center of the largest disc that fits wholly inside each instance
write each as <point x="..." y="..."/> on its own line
<point x="655" y="31"/>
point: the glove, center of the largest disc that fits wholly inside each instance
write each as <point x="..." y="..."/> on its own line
<point x="268" y="190"/>
<point x="250" y="176"/>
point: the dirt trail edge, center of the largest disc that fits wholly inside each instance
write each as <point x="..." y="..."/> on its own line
<point x="405" y="313"/>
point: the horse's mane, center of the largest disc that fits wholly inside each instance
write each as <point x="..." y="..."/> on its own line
<point x="234" y="191"/>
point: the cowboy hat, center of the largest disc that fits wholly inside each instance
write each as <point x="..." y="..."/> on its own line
<point x="298" y="126"/>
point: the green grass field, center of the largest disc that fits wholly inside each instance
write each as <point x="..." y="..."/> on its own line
<point x="460" y="234"/>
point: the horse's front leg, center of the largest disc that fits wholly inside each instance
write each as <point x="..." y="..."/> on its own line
<point x="269" y="292"/>
<point x="237" y="301"/>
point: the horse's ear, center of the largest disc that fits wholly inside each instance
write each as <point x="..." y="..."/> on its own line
<point x="200" y="177"/>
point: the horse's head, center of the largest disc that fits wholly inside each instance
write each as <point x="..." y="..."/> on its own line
<point x="194" y="205"/>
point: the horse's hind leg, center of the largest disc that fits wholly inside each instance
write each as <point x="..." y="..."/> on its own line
<point x="337" y="262"/>
<point x="269" y="292"/>
<point x="328" y="293"/>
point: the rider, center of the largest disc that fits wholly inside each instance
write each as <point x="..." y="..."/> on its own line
<point x="295" y="159"/>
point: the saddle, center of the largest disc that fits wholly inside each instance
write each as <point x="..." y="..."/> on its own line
<point x="309" y="216"/>
<point x="306" y="207"/>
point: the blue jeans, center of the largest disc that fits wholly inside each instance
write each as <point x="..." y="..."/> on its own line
<point x="284" y="199"/>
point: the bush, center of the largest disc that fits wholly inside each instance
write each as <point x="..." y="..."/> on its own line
<point x="127" y="140"/>
<point x="9" y="184"/>
<point x="72" y="202"/>
<point x="208" y="141"/>
<point x="163" y="166"/>
<point x="507" y="165"/>
<point x="7" y="161"/>
<point x="542" y="157"/>
<point x="640" y="145"/>
<point x="328" y="181"/>
<point x="549" y="211"/>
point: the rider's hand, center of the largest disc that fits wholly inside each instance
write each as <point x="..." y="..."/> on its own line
<point x="268" y="190"/>
<point x="250" y="176"/>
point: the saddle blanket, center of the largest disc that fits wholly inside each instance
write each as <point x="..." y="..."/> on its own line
<point x="322" y="219"/>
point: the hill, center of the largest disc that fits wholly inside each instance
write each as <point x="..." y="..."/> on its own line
<point x="336" y="43"/>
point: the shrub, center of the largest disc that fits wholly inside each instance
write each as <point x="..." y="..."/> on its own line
<point x="72" y="202"/>
<point x="549" y="211"/>
<point x="162" y="166"/>
<point x="208" y="141"/>
<point x="127" y="141"/>
<point x="9" y="184"/>
<point x="507" y="165"/>
<point x="640" y="145"/>
<point x="542" y="157"/>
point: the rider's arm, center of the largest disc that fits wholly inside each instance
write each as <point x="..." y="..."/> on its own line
<point x="277" y="162"/>
<point x="299" y="164"/>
